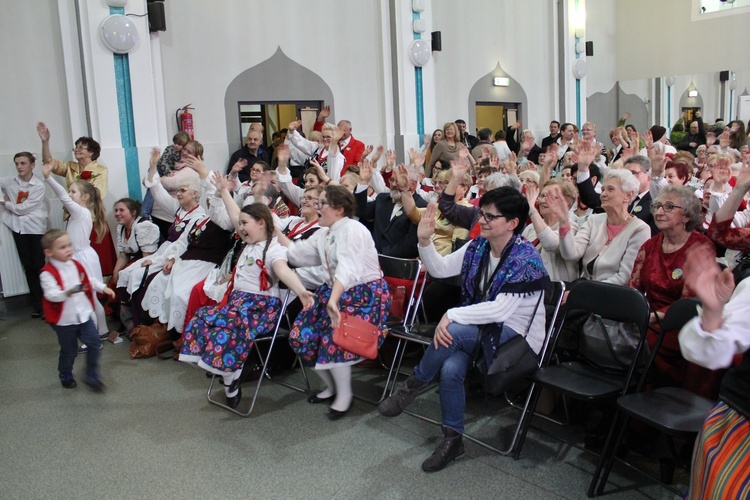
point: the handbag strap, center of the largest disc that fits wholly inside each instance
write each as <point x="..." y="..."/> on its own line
<point x="478" y="346"/>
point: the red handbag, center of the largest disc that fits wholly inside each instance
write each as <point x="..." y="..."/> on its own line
<point x="357" y="336"/>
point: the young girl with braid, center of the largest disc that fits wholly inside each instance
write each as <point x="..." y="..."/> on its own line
<point x="219" y="338"/>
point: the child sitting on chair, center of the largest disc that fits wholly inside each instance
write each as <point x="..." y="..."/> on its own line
<point x="68" y="305"/>
<point x="219" y="338"/>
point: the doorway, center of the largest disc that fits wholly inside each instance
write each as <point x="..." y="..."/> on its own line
<point x="274" y="116"/>
<point x="496" y="115"/>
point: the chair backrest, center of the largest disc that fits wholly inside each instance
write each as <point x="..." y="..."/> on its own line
<point x="408" y="270"/>
<point x="677" y="316"/>
<point x="617" y="303"/>
<point x="552" y="302"/>
<point x="679" y="313"/>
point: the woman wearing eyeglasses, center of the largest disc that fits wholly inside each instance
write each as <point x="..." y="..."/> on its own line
<point x="503" y="282"/>
<point x="326" y="152"/>
<point x="85" y="166"/>
<point x="606" y="243"/>
<point x="659" y="273"/>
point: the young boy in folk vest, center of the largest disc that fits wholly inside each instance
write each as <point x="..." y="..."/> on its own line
<point x="68" y="305"/>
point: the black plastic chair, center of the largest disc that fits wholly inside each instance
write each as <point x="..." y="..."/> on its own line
<point x="265" y="359"/>
<point x="579" y="379"/>
<point x="673" y="411"/>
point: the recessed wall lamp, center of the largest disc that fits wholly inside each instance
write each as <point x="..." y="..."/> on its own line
<point x="692" y="93"/>
<point x="501" y="81"/>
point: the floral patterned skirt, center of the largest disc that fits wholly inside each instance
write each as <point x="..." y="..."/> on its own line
<point x="219" y="338"/>
<point x="312" y="335"/>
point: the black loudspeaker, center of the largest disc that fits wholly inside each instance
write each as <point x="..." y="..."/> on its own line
<point x="723" y="76"/>
<point x="156" y="19"/>
<point x="589" y="48"/>
<point x="437" y="41"/>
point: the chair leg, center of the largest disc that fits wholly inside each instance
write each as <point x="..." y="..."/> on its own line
<point x="526" y="415"/>
<point x="607" y="459"/>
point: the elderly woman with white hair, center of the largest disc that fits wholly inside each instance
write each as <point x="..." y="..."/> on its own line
<point x="326" y="152"/>
<point x="607" y="243"/>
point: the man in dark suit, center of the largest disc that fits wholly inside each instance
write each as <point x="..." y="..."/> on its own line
<point x="394" y="234"/>
<point x="640" y="166"/>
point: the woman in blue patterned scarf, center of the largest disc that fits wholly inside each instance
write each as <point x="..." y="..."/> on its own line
<point x="503" y="281"/>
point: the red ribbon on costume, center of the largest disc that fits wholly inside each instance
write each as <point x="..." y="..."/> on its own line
<point x="265" y="276"/>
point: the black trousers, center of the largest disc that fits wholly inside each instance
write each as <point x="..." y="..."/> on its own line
<point x="30" y="253"/>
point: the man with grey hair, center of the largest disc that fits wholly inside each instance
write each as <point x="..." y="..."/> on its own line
<point x="394" y="233"/>
<point x="463" y="216"/>
<point x="640" y="206"/>
<point x="251" y="153"/>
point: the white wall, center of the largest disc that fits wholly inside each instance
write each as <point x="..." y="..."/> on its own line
<point x="601" y="68"/>
<point x="476" y="36"/>
<point x="667" y="42"/>
<point x="33" y="86"/>
<point x="207" y="45"/>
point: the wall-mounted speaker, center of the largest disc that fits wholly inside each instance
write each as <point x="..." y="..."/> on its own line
<point x="723" y="76"/>
<point x="157" y="21"/>
<point x="589" y="48"/>
<point x="437" y="41"/>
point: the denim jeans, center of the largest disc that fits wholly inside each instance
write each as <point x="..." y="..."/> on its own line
<point x="452" y="363"/>
<point x="148" y="205"/>
<point x="67" y="337"/>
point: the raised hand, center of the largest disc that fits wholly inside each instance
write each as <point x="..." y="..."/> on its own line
<point x="43" y="131"/>
<point x="711" y="285"/>
<point x="378" y="153"/>
<point x="418" y="159"/>
<point x="648" y="139"/>
<point x="282" y="155"/>
<point x="48" y="167"/>
<point x="365" y="172"/>
<point x="517" y="125"/>
<point x="532" y="194"/>
<point x="585" y="156"/>
<point x="724" y="140"/>
<point x="239" y="165"/>
<point x="459" y="168"/>
<point x="220" y="182"/>
<point x="426" y="227"/>
<point x="390" y="158"/>
<point x="743" y="178"/>
<point x="402" y="177"/>
<point x="324" y="113"/>
<point x="293" y="126"/>
<point x="154" y="158"/>
<point x="495" y="162"/>
<point x="558" y="205"/>
<point x="197" y="164"/>
<point x="369" y="149"/>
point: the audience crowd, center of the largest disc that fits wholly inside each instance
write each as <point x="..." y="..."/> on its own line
<point x="504" y="210"/>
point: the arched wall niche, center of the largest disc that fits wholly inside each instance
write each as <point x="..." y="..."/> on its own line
<point x="262" y="83"/>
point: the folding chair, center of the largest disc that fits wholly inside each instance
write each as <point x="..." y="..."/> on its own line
<point x="552" y="302"/>
<point x="582" y="380"/>
<point x="264" y="359"/>
<point x="674" y="411"/>
<point x="408" y="277"/>
<point x="420" y="333"/>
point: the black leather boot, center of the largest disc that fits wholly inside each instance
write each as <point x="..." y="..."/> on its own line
<point x="394" y="405"/>
<point x="451" y="448"/>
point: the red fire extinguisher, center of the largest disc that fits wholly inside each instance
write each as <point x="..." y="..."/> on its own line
<point x="185" y="121"/>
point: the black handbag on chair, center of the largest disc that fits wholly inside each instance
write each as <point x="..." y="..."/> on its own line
<point x="511" y="362"/>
